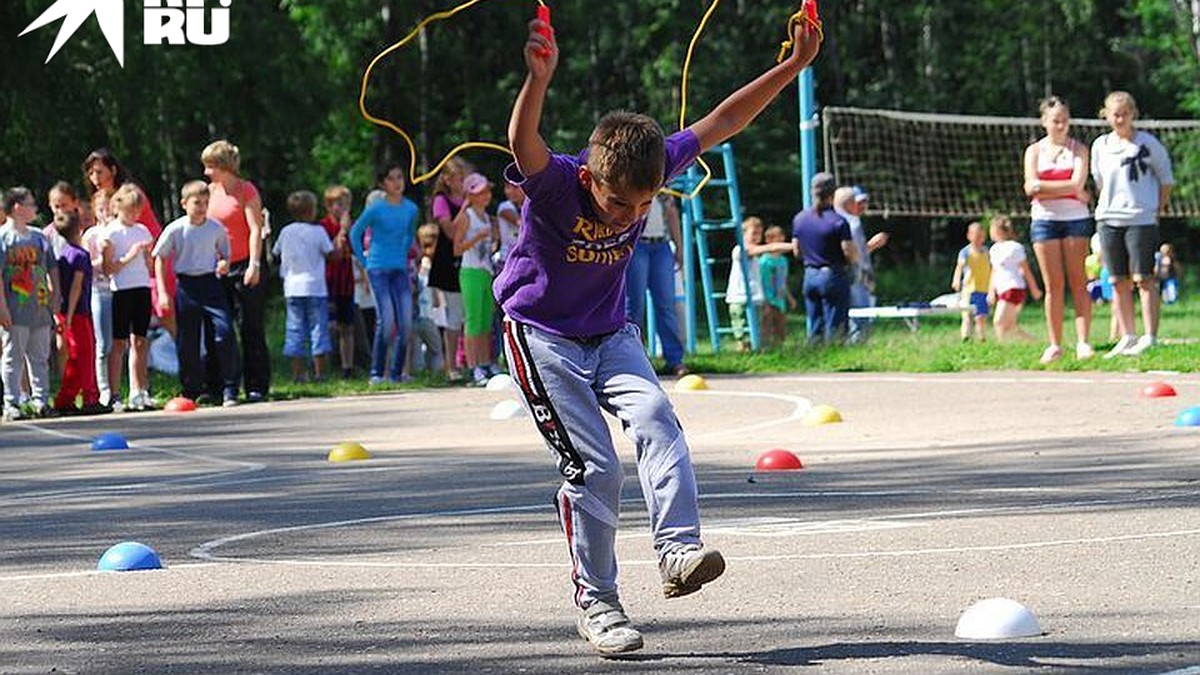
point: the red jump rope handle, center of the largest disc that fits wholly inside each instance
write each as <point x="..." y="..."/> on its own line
<point x="810" y="9"/>
<point x="543" y="15"/>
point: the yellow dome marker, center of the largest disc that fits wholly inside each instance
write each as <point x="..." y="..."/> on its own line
<point x="821" y="414"/>
<point x="691" y="383"/>
<point x="348" y="452"/>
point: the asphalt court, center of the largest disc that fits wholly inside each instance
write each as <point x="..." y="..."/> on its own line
<point x="1066" y="492"/>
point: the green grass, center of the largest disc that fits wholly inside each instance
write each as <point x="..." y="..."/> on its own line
<point x="937" y="348"/>
<point x="934" y="348"/>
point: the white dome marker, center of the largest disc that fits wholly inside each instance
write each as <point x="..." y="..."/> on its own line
<point x="507" y="410"/>
<point x="997" y="619"/>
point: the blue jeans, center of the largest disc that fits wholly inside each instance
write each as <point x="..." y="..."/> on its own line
<point x="653" y="267"/>
<point x="307" y="322"/>
<point x="393" y="320"/>
<point x="202" y="307"/>
<point x="827" y="303"/>
<point x="860" y="296"/>
<point x="102" y="325"/>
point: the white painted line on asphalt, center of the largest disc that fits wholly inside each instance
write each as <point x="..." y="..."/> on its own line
<point x="194" y="481"/>
<point x="1192" y="670"/>
<point x="206" y="550"/>
<point x="1081" y="541"/>
<point x="93" y="573"/>
<point x="802" y="406"/>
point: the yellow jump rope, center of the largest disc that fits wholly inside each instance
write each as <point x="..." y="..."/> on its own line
<point x="807" y="14"/>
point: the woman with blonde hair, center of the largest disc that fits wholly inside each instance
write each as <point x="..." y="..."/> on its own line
<point x="234" y="202"/>
<point x="1133" y="174"/>
<point x="448" y="200"/>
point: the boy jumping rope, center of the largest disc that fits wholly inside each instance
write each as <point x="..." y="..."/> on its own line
<point x="568" y="344"/>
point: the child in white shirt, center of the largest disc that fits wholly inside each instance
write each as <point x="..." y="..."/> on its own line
<point x="302" y="248"/>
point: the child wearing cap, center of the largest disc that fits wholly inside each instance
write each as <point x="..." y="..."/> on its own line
<point x="569" y="347"/>
<point x="475" y="234"/>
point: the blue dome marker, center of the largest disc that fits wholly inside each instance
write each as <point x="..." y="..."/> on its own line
<point x="129" y="556"/>
<point x="107" y="442"/>
<point x="1190" y="417"/>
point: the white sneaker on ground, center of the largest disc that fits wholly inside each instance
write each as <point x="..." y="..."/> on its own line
<point x="608" y="629"/>
<point x="685" y="570"/>
<point x="1145" y="342"/>
<point x="1124" y="343"/>
<point x="1084" y="351"/>
<point x="1052" y="354"/>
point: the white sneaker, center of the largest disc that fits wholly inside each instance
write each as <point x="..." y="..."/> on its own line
<point x="608" y="629"/>
<point x="1145" y="342"/>
<point x="685" y="570"/>
<point x="1052" y="354"/>
<point x="1084" y="351"/>
<point x="1123" y="344"/>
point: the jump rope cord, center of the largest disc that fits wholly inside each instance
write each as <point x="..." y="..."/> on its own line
<point x="806" y="13"/>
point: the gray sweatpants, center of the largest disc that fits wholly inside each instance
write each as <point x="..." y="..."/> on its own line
<point x="565" y="384"/>
<point x="25" y="347"/>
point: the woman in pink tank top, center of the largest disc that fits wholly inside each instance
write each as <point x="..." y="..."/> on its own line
<point x="1056" y="173"/>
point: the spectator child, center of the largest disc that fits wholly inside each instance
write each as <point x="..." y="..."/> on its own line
<point x="1166" y="270"/>
<point x="509" y="214"/>
<point x="474" y="234"/>
<point x="425" y="345"/>
<point x="339" y="274"/>
<point x="972" y="278"/>
<point x="30" y="280"/>
<point x="777" y="295"/>
<point x="302" y="248"/>
<point x="75" y="321"/>
<point x="101" y="300"/>
<point x="735" y="291"/>
<point x="126" y="246"/>
<point x="198" y="247"/>
<point x="62" y="198"/>
<point x="1012" y="279"/>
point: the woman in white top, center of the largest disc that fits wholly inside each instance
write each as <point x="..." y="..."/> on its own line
<point x="1056" y="173"/>
<point x="1133" y="175"/>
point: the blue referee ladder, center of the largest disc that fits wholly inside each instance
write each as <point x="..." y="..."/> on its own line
<point x="697" y="230"/>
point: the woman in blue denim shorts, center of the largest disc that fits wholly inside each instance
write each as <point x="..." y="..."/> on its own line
<point x="1056" y="173"/>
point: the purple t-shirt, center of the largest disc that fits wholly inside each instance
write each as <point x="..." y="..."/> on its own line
<point x="74" y="259"/>
<point x="566" y="273"/>
<point x="820" y="236"/>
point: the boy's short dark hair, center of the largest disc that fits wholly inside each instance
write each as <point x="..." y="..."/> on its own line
<point x="67" y="224"/>
<point x="302" y="205"/>
<point x="14" y="197"/>
<point x="388" y="168"/>
<point x="62" y="187"/>
<point x="627" y="151"/>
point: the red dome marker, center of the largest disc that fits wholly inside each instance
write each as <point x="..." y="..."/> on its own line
<point x="778" y="460"/>
<point x="1158" y="390"/>
<point x="180" y="404"/>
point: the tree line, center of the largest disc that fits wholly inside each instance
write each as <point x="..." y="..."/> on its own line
<point x="285" y="87"/>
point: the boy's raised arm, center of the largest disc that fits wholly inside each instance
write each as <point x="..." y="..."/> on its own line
<point x="742" y="106"/>
<point x="541" y="55"/>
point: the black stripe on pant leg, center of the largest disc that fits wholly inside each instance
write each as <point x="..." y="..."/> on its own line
<point x="545" y="417"/>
